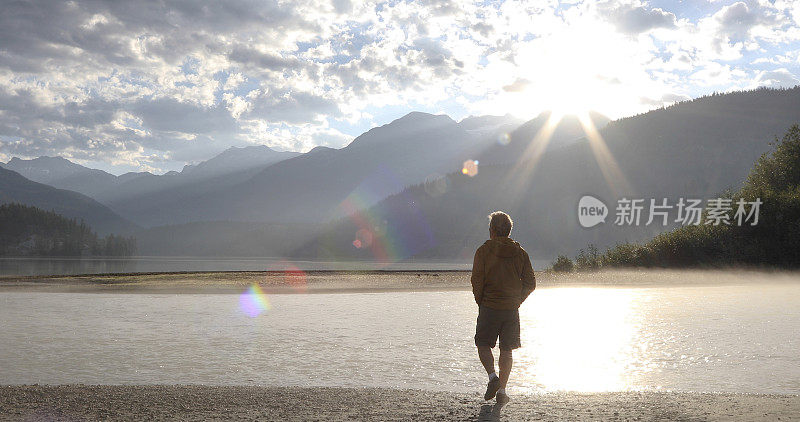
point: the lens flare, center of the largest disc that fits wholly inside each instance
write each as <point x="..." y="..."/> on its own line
<point x="295" y="278"/>
<point x="395" y="232"/>
<point x="253" y="301"/>
<point x="364" y="238"/>
<point x="503" y="139"/>
<point x="470" y="168"/>
<point x="390" y="233"/>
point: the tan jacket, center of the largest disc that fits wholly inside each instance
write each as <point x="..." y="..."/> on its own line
<point x="502" y="275"/>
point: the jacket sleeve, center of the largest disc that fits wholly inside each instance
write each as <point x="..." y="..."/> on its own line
<point x="528" y="279"/>
<point x="478" y="276"/>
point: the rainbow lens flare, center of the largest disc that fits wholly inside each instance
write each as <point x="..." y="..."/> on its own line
<point x="363" y="238"/>
<point x="295" y="278"/>
<point x="253" y="301"/>
<point x="504" y="138"/>
<point x="470" y="168"/>
<point x="389" y="234"/>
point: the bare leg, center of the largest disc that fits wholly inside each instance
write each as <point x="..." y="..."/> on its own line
<point x="487" y="358"/>
<point x="505" y="362"/>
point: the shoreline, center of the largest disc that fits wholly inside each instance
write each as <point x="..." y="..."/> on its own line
<point x="202" y="402"/>
<point x="369" y="281"/>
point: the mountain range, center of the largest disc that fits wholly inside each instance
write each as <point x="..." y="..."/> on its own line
<point x="314" y="186"/>
<point x="397" y="191"/>
<point x="64" y="174"/>
<point x="694" y="149"/>
<point x="17" y="189"/>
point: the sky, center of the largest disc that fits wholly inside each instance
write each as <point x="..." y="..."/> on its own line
<point x="154" y="85"/>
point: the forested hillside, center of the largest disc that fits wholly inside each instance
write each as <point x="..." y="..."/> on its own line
<point x="30" y="231"/>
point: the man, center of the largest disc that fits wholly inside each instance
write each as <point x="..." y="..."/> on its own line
<point x="502" y="278"/>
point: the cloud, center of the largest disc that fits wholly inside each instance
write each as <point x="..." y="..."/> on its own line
<point x="153" y="84"/>
<point x="736" y="20"/>
<point x="779" y="78"/>
<point x="290" y="106"/>
<point x="261" y="60"/>
<point x="631" y="19"/>
<point x="517" y="86"/>
<point x="169" y="115"/>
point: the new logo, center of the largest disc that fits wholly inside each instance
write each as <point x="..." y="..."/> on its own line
<point x="591" y="211"/>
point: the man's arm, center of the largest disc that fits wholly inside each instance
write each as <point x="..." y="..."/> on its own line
<point x="478" y="277"/>
<point x="528" y="279"/>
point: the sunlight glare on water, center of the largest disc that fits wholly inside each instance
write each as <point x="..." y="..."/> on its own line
<point x="583" y="340"/>
<point x="731" y="338"/>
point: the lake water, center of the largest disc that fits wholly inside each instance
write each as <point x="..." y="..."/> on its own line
<point x="700" y="338"/>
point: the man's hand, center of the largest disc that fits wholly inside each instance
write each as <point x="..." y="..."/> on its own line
<point x="528" y="278"/>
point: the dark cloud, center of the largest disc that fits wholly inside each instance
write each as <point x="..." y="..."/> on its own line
<point x="436" y="57"/>
<point x="170" y="115"/>
<point x="263" y="61"/>
<point x="292" y="107"/>
<point x="736" y="20"/>
<point x="40" y="33"/>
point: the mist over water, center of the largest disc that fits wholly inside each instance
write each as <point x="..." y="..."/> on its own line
<point x="724" y="337"/>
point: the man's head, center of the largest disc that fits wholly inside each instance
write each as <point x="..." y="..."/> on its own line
<point x="500" y="224"/>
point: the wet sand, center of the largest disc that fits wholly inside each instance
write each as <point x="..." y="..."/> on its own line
<point x="236" y="281"/>
<point x="80" y="402"/>
<point x="368" y="281"/>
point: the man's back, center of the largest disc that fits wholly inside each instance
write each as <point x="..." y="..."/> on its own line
<point x="502" y="275"/>
<point x="502" y="278"/>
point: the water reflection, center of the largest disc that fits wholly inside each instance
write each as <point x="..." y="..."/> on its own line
<point x="580" y="339"/>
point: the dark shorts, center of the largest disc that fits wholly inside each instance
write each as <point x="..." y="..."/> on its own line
<point x="494" y="323"/>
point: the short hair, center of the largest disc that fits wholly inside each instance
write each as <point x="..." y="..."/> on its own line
<point x="500" y="223"/>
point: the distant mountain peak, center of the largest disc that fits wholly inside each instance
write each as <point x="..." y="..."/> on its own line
<point x="245" y="148"/>
<point x="419" y="116"/>
<point x="57" y="166"/>
<point x="489" y="123"/>
<point x="506" y="116"/>
<point x="237" y="158"/>
<point x="320" y="148"/>
<point x="41" y="159"/>
<point x="413" y="122"/>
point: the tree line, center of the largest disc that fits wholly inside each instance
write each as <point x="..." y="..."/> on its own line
<point x="773" y="242"/>
<point x="31" y="231"/>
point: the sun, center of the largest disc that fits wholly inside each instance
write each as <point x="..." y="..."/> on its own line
<point x="573" y="70"/>
<point x="568" y="98"/>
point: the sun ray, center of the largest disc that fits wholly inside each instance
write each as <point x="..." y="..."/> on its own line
<point x="613" y="175"/>
<point x="519" y="176"/>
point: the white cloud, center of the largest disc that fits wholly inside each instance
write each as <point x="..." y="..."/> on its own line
<point x="779" y="78"/>
<point x="635" y="18"/>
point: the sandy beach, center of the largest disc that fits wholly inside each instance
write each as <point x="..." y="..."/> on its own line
<point x="331" y="281"/>
<point x="188" y="403"/>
